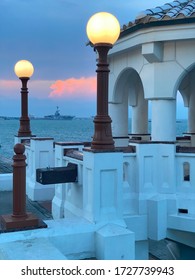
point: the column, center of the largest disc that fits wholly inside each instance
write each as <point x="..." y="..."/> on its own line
<point x="119" y="115"/>
<point x="140" y="117"/>
<point x="191" y="114"/>
<point x="163" y="120"/>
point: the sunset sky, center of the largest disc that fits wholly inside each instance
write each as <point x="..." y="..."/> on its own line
<point x="51" y="34"/>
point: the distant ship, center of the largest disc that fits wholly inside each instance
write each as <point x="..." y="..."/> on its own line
<point x="57" y="116"/>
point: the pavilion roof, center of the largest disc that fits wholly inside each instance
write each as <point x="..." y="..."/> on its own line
<point x="176" y="12"/>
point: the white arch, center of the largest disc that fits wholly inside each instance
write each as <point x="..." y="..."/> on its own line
<point x="128" y="82"/>
<point x="128" y="91"/>
<point x="186" y="86"/>
<point x="184" y="83"/>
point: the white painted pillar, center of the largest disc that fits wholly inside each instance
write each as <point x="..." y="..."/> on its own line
<point x="140" y="117"/>
<point x="103" y="204"/>
<point x="119" y="115"/>
<point x="102" y="186"/>
<point x="40" y="154"/>
<point x="191" y="114"/>
<point x="163" y="120"/>
<point x="67" y="200"/>
<point x="60" y="189"/>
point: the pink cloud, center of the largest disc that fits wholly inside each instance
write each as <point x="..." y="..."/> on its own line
<point x="74" y="88"/>
<point x="9" y="89"/>
<point x="84" y="87"/>
<point x="9" y="84"/>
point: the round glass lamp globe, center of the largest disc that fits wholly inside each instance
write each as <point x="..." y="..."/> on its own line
<point x="103" y="27"/>
<point x="24" y="69"/>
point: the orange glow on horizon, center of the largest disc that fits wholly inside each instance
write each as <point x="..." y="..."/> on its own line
<point x="84" y="87"/>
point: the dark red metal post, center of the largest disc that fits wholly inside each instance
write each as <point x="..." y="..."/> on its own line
<point x="102" y="139"/>
<point x="19" y="219"/>
<point x="19" y="182"/>
<point x="24" y="129"/>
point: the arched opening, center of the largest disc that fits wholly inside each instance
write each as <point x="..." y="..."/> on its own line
<point x="187" y="90"/>
<point x="128" y="104"/>
<point x="186" y="171"/>
<point x="181" y="116"/>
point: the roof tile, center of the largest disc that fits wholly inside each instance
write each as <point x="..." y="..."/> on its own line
<point x="178" y="9"/>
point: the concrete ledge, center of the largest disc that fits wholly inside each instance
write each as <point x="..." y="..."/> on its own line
<point x="181" y="222"/>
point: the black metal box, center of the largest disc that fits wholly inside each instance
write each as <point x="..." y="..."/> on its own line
<point x="57" y="175"/>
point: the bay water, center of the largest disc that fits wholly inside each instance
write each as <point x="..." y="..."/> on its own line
<point x="78" y="129"/>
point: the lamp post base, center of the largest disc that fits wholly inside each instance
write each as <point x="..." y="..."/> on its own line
<point x="24" y="129"/>
<point x="11" y="223"/>
<point x="102" y="139"/>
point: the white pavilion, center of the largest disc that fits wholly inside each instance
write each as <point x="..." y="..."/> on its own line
<point x="145" y="189"/>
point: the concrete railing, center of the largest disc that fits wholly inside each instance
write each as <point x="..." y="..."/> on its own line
<point x="68" y="196"/>
<point x="40" y="154"/>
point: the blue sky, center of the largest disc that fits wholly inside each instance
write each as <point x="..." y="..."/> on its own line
<point x="51" y="34"/>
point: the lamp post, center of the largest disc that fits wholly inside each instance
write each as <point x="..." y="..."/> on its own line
<point x="24" y="70"/>
<point x="103" y="30"/>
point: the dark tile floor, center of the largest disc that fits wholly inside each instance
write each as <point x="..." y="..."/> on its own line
<point x="5" y="165"/>
<point x="41" y="209"/>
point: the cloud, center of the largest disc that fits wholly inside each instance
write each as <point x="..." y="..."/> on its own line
<point x="40" y="88"/>
<point x="8" y="84"/>
<point x="9" y="89"/>
<point x="84" y="87"/>
<point x="74" y="88"/>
